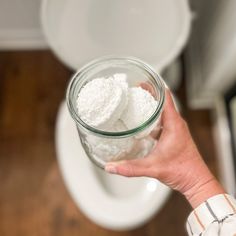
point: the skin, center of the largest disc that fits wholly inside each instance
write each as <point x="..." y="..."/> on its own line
<point x="175" y="161"/>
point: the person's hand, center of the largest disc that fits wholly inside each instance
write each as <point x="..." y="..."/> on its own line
<point x="175" y="160"/>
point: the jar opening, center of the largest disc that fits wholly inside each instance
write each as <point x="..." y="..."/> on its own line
<point x="91" y="69"/>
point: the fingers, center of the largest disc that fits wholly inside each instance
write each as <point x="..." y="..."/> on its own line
<point x="170" y="113"/>
<point x="169" y="103"/>
<point x="132" y="168"/>
<point x="148" y="87"/>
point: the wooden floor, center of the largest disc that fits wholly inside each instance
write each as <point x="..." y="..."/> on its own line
<point x="33" y="197"/>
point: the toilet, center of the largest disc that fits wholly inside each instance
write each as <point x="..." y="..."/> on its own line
<point x="111" y="201"/>
<point x="78" y="31"/>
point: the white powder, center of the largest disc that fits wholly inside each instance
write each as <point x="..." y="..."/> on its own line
<point x="101" y="101"/>
<point x="108" y="104"/>
<point x="140" y="107"/>
<point x="111" y="149"/>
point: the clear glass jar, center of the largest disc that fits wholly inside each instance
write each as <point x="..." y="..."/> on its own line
<point x="103" y="146"/>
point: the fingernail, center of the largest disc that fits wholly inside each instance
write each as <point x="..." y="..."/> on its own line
<point x="111" y="169"/>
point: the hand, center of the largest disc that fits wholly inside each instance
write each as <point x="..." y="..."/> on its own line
<point x="175" y="160"/>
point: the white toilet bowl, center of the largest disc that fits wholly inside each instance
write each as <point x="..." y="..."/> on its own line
<point x="111" y="201"/>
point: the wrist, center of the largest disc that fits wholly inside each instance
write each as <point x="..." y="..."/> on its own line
<point x="202" y="191"/>
<point x="198" y="183"/>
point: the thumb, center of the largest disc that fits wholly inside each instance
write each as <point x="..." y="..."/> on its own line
<point x="130" y="168"/>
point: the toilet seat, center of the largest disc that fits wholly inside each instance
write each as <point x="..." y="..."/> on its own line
<point x="111" y="201"/>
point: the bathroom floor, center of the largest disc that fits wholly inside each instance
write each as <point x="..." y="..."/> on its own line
<point x="33" y="197"/>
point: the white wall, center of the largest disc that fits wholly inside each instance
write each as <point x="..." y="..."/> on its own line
<point x="20" y="25"/>
<point x="212" y="52"/>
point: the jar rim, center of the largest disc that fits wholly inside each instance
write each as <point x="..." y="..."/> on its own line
<point x="134" y="61"/>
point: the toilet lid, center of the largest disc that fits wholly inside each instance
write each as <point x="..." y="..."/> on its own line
<point x="79" y="31"/>
<point x="114" y="202"/>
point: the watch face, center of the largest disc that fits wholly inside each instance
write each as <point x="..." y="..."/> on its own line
<point x="230" y="100"/>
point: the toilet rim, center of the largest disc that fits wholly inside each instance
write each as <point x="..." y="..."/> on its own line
<point x="126" y="213"/>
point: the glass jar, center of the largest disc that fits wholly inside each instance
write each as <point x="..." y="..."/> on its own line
<point x="103" y="146"/>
